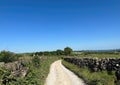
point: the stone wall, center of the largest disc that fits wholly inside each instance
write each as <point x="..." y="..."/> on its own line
<point x="97" y="64"/>
<point x="16" y="68"/>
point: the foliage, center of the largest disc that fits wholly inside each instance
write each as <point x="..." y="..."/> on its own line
<point x="35" y="76"/>
<point x="59" y="52"/>
<point x="92" y="78"/>
<point x="6" y="77"/>
<point x="39" y="74"/>
<point x="45" y="53"/>
<point x="6" y="56"/>
<point x="36" y="61"/>
<point x="67" y="51"/>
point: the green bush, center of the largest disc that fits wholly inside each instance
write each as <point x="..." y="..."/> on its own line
<point x="6" y="56"/>
<point x="36" y="61"/>
<point x="5" y="76"/>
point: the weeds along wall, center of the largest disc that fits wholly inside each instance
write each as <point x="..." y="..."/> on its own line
<point x="97" y="64"/>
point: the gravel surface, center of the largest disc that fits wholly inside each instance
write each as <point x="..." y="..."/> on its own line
<point x="59" y="75"/>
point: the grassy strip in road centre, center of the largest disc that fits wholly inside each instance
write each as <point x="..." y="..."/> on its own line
<point x="91" y="78"/>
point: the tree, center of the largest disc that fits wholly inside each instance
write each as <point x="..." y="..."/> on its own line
<point x="67" y="51"/>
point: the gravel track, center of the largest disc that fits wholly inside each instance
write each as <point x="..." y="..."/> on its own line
<point x="59" y="75"/>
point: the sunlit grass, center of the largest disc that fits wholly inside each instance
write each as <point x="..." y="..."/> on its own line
<point x="91" y="78"/>
<point x="100" y="55"/>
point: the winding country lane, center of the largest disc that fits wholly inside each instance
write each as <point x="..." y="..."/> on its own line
<point x="59" y="75"/>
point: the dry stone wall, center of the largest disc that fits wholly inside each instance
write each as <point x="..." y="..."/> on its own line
<point x="97" y="64"/>
<point x="16" y="68"/>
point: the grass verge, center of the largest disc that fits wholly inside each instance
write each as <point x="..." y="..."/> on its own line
<point x="91" y="78"/>
<point x="39" y="74"/>
<point x="36" y="75"/>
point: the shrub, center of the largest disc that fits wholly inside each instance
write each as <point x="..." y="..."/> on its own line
<point x="6" y="56"/>
<point x="36" y="61"/>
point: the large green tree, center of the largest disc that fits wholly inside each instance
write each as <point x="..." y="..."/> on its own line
<point x="67" y="51"/>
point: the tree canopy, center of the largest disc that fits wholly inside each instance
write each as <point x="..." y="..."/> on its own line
<point x="67" y="51"/>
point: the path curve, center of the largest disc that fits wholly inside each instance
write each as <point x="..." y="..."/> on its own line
<point x="59" y="75"/>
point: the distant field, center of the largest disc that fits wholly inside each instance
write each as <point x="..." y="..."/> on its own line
<point x="100" y="55"/>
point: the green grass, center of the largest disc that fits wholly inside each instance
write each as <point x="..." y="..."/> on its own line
<point x="100" y="55"/>
<point x="39" y="74"/>
<point x="36" y="75"/>
<point x="91" y="78"/>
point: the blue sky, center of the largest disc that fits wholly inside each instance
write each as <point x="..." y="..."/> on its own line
<point x="39" y="25"/>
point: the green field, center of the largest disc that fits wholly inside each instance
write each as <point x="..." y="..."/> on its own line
<point x="99" y="55"/>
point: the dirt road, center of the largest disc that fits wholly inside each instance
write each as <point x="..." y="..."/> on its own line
<point x="59" y="75"/>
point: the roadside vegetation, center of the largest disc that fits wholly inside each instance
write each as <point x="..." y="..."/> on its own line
<point x="7" y="56"/>
<point x="35" y="66"/>
<point x="37" y="72"/>
<point x="92" y="78"/>
<point x="38" y="65"/>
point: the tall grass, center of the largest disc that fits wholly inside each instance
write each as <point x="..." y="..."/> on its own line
<point x="37" y="74"/>
<point x="92" y="78"/>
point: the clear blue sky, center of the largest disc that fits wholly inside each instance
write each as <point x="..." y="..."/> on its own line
<point x="39" y="25"/>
